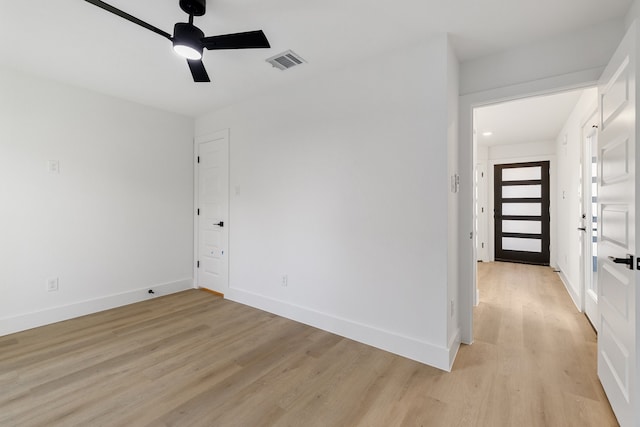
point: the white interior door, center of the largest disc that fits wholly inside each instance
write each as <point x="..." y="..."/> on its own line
<point x="587" y="225"/>
<point x="481" y="213"/>
<point x="213" y="212"/>
<point x="617" y="364"/>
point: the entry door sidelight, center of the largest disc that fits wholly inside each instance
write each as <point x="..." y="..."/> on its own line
<point x="521" y="212"/>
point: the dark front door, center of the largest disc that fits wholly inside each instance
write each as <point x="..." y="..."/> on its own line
<point x="521" y="212"/>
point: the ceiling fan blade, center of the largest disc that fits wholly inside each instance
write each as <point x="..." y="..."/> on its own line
<point x="248" y="40"/>
<point x="198" y="71"/>
<point x="128" y="17"/>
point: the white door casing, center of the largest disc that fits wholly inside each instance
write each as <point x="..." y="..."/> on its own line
<point x="212" y="190"/>
<point x="586" y="226"/>
<point x="481" y="213"/>
<point x="617" y="364"/>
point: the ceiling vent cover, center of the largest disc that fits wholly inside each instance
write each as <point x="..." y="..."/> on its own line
<point x="286" y="60"/>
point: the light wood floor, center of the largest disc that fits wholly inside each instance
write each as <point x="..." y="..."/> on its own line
<point x="193" y="359"/>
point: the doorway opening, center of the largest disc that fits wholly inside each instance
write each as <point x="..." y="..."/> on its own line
<point x="545" y="132"/>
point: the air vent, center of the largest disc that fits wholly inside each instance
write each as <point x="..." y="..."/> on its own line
<point x="286" y="60"/>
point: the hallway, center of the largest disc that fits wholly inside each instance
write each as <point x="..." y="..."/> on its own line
<point x="539" y="349"/>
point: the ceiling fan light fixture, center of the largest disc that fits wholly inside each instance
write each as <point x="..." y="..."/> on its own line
<point x="187" y="40"/>
<point x="187" y="51"/>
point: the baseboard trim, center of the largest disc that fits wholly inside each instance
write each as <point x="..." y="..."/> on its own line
<point x="405" y="346"/>
<point x="22" y="322"/>
<point x="453" y="346"/>
<point x="567" y="284"/>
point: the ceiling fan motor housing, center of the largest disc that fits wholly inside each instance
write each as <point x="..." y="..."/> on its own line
<point x="188" y="34"/>
<point x="194" y="7"/>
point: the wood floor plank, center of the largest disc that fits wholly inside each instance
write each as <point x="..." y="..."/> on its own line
<point x="195" y="359"/>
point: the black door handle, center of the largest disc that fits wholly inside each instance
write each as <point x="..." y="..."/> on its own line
<point x="628" y="261"/>
<point x="582" y="228"/>
<point x="220" y="224"/>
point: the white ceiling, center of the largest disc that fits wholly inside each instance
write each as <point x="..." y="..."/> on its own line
<point x="75" y="42"/>
<point x="534" y="119"/>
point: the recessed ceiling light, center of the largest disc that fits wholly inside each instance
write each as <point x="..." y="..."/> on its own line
<point x="489" y="133"/>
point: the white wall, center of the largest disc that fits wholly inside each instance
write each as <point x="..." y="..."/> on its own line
<point x="588" y="49"/>
<point x="342" y="183"/>
<point x="114" y="222"/>
<point x="505" y="152"/>
<point x="569" y="150"/>
<point x="633" y="14"/>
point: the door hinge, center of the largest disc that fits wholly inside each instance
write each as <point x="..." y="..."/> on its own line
<point x="198" y="159"/>
<point x="198" y="264"/>
<point x="198" y="211"/>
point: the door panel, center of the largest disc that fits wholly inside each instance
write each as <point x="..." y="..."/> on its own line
<point x="615" y="161"/>
<point x="513" y="226"/>
<point x="521" y="193"/>
<point x="617" y="365"/>
<point x="213" y="201"/>
<point x="521" y="244"/>
<point x="521" y="173"/>
<point x="615" y="356"/>
<point x="521" y="209"/>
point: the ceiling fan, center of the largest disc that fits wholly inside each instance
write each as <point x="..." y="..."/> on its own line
<point x="189" y="41"/>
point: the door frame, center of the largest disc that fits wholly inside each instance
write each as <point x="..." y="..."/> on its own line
<point x="467" y="159"/>
<point x="208" y="137"/>
<point x="586" y="268"/>
<point x="482" y="210"/>
<point x="545" y="213"/>
<point x="551" y="158"/>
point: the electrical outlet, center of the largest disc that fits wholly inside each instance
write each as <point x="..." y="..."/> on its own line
<point x="285" y="280"/>
<point x="52" y="284"/>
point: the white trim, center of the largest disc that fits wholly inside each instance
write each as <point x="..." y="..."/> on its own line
<point x="10" y="325"/>
<point x="586" y="262"/>
<point x="402" y="345"/>
<point x="567" y="284"/>
<point x="453" y="346"/>
<point x="195" y="212"/>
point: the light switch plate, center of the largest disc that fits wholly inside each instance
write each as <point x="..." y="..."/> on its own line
<point x="52" y="284"/>
<point x="53" y="166"/>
